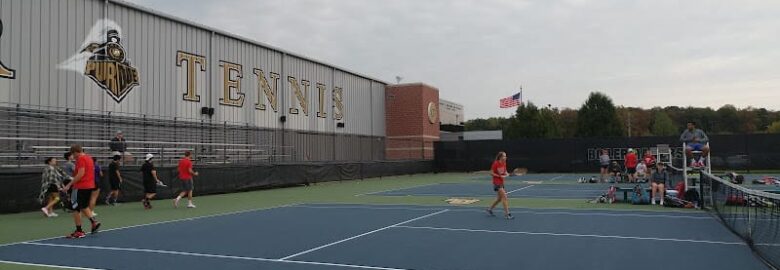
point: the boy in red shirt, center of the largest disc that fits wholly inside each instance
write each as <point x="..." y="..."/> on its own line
<point x="498" y="171"/>
<point x="185" y="175"/>
<point x="83" y="184"/>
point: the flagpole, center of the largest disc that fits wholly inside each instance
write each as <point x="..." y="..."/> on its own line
<point x="521" y="94"/>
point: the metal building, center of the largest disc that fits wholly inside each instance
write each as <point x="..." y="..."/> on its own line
<point x="77" y="70"/>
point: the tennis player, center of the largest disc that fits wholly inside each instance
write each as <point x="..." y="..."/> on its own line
<point x="83" y="184"/>
<point x="185" y="175"/>
<point x="151" y="181"/>
<point x="498" y="171"/>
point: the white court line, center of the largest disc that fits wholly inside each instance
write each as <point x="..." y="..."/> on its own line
<point x="579" y="235"/>
<point x="519" y="189"/>
<point x="535" y="212"/>
<point x="49" y="265"/>
<point x="161" y="222"/>
<point x="157" y="251"/>
<point x="554" y="178"/>
<point x="395" y="189"/>
<point x="364" y="234"/>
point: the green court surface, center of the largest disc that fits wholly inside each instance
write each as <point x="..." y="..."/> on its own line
<point x="32" y="225"/>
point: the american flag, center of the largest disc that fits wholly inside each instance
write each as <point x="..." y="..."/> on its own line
<point x="509" y="102"/>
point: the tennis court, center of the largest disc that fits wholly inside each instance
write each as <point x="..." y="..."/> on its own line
<point x="346" y="236"/>
<point x="357" y="225"/>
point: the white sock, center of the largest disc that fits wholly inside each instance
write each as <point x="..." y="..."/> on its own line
<point x="178" y="198"/>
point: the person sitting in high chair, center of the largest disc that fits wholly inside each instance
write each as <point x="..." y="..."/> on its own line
<point x="695" y="140"/>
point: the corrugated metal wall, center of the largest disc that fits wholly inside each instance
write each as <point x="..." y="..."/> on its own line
<point x="42" y="41"/>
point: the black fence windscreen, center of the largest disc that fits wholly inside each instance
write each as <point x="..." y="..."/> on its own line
<point x="753" y="215"/>
<point x="22" y="185"/>
<point x="732" y="152"/>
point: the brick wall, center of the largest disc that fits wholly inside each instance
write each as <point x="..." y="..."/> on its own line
<point x="410" y="131"/>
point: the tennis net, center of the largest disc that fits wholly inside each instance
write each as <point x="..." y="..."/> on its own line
<point x="754" y="215"/>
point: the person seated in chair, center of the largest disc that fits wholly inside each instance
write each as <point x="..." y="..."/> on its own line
<point x="695" y="140"/>
<point x="615" y="171"/>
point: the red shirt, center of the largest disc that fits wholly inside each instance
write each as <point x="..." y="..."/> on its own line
<point x="185" y="164"/>
<point x="500" y="169"/>
<point x="649" y="160"/>
<point x="631" y="160"/>
<point x="84" y="161"/>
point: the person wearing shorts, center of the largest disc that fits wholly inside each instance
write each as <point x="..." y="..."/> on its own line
<point x="150" y="181"/>
<point x="83" y="184"/>
<point x="604" y="162"/>
<point x="658" y="183"/>
<point x="499" y="172"/>
<point x="96" y="192"/>
<point x="51" y="184"/>
<point x="185" y="175"/>
<point x="630" y="163"/>
<point x="114" y="180"/>
<point x="695" y="140"/>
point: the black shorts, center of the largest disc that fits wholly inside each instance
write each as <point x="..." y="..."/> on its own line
<point x="186" y="185"/>
<point x="497" y="187"/>
<point x="115" y="184"/>
<point x="150" y="186"/>
<point x="604" y="166"/>
<point x="631" y="170"/>
<point x="52" y="189"/>
<point x="80" y="198"/>
<point x="662" y="182"/>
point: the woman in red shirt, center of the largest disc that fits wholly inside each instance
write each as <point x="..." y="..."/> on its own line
<point x="630" y="163"/>
<point x="498" y="171"/>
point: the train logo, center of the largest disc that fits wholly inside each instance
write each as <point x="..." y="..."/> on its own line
<point x="4" y="71"/>
<point x="110" y="68"/>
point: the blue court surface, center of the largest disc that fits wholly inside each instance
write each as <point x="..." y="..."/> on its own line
<point x="324" y="237"/>
<point x="550" y="191"/>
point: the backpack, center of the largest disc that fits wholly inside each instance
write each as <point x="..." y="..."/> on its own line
<point x="640" y="196"/>
<point x="680" y="188"/>
<point x="735" y="200"/>
<point x="672" y="201"/>
<point x="611" y="194"/>
<point x="692" y="196"/>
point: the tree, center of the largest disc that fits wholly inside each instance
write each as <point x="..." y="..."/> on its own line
<point x="531" y="122"/>
<point x="663" y="125"/>
<point x="567" y="123"/>
<point x="728" y="120"/>
<point x="640" y="120"/>
<point x="598" y="118"/>
<point x="774" y="128"/>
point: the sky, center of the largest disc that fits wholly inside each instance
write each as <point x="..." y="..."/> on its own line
<point x="640" y="53"/>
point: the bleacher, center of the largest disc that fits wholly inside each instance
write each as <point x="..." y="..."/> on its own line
<point x="30" y="135"/>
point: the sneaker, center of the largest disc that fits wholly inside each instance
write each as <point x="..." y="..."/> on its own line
<point x="652" y="202"/>
<point x="509" y="216"/>
<point x="76" y="234"/>
<point x="52" y="214"/>
<point x="94" y="214"/>
<point x="190" y="205"/>
<point x="45" y="212"/>
<point x="661" y="202"/>
<point x="95" y="227"/>
<point x="490" y="212"/>
<point x="176" y="203"/>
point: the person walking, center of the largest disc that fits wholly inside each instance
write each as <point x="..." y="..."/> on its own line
<point x="114" y="180"/>
<point x="499" y="172"/>
<point x="185" y="175"/>
<point x="51" y="184"/>
<point x="83" y="183"/>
